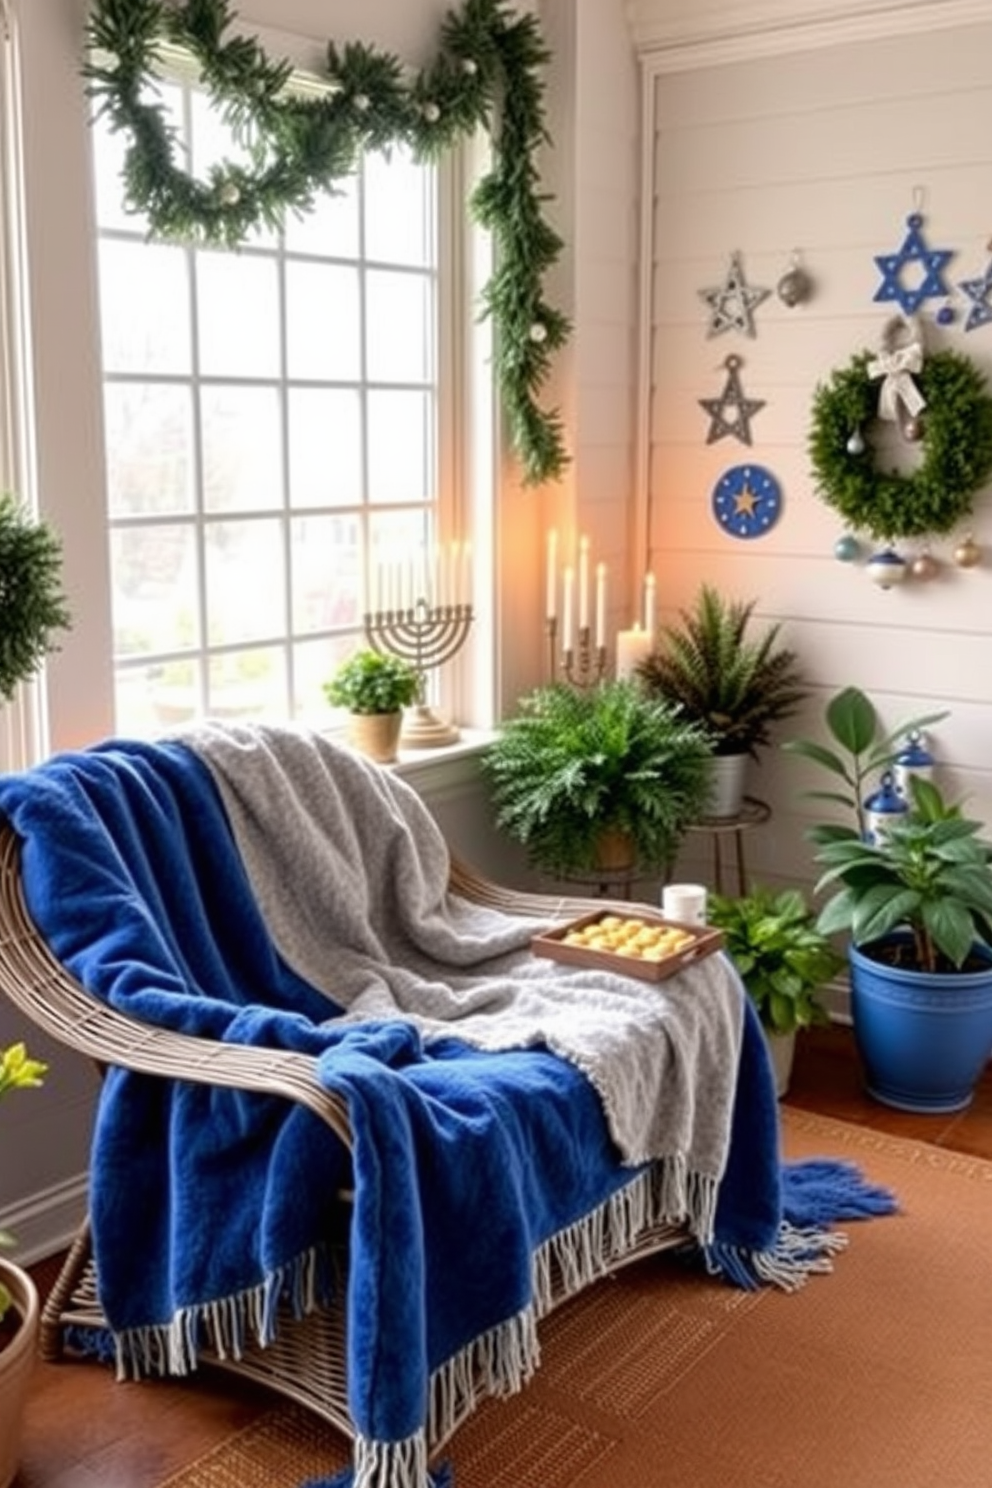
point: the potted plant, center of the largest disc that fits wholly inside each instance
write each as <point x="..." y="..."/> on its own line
<point x="375" y="687"/>
<point x="915" y="899"/>
<point x="32" y="605"/>
<point x="734" y="684"/>
<point x="603" y="777"/>
<point x="783" y="959"/>
<point x="19" y="1307"/>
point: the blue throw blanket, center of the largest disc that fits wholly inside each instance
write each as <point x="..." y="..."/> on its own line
<point x="475" y="1174"/>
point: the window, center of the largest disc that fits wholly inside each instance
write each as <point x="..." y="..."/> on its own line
<point x="273" y="421"/>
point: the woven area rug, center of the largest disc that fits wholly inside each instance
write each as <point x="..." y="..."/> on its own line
<point x="878" y="1376"/>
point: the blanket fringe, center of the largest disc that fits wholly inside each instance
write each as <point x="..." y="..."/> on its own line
<point x="797" y="1255"/>
<point x="502" y="1360"/>
<point x="172" y="1348"/>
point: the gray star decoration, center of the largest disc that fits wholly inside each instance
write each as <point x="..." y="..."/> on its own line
<point x="733" y="302"/>
<point x="731" y="413"/>
<point x="978" y="291"/>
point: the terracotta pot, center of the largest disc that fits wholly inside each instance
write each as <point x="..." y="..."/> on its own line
<point x="615" y="849"/>
<point x="17" y="1359"/>
<point x="376" y="734"/>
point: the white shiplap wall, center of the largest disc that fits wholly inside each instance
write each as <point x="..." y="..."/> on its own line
<point x="826" y="151"/>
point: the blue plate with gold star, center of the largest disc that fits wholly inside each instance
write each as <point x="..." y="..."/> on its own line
<point x="747" y="500"/>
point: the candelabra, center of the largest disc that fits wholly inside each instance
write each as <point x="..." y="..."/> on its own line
<point x="426" y="636"/>
<point x="583" y="666"/>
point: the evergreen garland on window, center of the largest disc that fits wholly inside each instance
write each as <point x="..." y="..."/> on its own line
<point x="487" y="74"/>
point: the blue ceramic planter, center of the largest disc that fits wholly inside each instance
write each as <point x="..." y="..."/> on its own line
<point x="924" y="1038"/>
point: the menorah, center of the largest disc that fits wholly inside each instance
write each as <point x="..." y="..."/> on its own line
<point x="582" y="666"/>
<point x="427" y="636"/>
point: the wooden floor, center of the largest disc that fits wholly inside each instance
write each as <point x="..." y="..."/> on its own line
<point x="85" y="1431"/>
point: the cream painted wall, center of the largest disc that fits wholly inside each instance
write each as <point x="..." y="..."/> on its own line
<point x="827" y="151"/>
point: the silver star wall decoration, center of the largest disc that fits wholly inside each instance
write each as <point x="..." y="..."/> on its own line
<point x="978" y="292"/>
<point x="732" y="303"/>
<point x="731" y="413"/>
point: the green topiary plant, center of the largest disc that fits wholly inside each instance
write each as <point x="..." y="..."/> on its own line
<point x="574" y="764"/>
<point x="32" y="605"/>
<point x="373" y="682"/>
<point x="731" y="684"/>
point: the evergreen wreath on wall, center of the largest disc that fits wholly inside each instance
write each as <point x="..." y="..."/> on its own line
<point x="487" y="74"/>
<point x="956" y="436"/>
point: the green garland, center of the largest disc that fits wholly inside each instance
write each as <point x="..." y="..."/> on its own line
<point x="487" y="74"/>
<point x="957" y="449"/>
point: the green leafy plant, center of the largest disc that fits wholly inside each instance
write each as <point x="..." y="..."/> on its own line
<point x="373" y="682"/>
<point x="575" y="763"/>
<point x="928" y="873"/>
<point x="732" y="684"/>
<point x="32" y="605"/>
<point x="782" y="956"/>
<point x="17" y="1072"/>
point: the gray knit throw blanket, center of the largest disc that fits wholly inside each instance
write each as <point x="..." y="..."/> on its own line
<point x="350" y="871"/>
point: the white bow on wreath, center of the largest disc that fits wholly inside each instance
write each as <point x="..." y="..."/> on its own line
<point x="896" y="364"/>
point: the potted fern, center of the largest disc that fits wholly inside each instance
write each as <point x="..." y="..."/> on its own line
<point x="598" y="778"/>
<point x="734" y="684"/>
<point x="19" y="1307"/>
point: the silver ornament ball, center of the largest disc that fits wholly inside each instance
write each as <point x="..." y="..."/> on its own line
<point x="856" y="443"/>
<point x="794" y="287"/>
<point x="924" y="566"/>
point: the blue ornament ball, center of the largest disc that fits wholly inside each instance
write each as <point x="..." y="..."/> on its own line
<point x="846" y="548"/>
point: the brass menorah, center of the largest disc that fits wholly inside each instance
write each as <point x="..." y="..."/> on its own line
<point x="582" y="666"/>
<point x="427" y="636"/>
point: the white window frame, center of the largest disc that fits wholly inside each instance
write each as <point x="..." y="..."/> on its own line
<point x="69" y="467"/>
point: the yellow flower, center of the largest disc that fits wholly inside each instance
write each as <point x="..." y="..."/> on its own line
<point x="17" y="1071"/>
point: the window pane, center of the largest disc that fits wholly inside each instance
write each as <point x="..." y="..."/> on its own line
<point x="149" y="434"/>
<point x="246" y="581"/>
<point x="144" y="307"/>
<point x="325" y="447"/>
<point x="313" y="664"/>
<point x="401" y="447"/>
<point x="398" y="327"/>
<point x="323" y="321"/>
<point x="238" y="309"/>
<point x="330" y="229"/>
<point x="247" y="684"/>
<point x="326" y="579"/>
<point x="242" y="448"/>
<point x="156" y="697"/>
<point x="154" y="588"/>
<point x="399" y="210"/>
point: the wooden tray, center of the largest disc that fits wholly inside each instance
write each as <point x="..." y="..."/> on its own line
<point x="555" y="944"/>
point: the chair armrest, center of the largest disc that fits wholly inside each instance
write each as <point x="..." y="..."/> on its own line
<point x="38" y="984"/>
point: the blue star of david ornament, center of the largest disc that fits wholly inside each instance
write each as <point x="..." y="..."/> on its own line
<point x="914" y="251"/>
<point x="978" y="291"/>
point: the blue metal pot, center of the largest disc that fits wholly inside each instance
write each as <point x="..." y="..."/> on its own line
<point x="923" y="1037"/>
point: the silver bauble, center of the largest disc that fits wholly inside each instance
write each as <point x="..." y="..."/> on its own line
<point x="856" y="443"/>
<point x="794" y="287"/>
<point x="924" y="566"/>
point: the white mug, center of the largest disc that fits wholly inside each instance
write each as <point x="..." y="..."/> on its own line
<point x="685" y="902"/>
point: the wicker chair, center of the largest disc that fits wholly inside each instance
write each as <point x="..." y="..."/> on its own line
<point x="306" y="1362"/>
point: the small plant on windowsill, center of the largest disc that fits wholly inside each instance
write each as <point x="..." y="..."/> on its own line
<point x="375" y="687"/>
<point x="17" y="1072"/>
